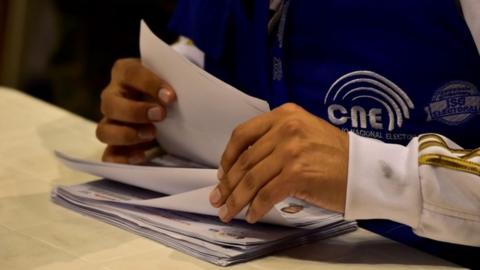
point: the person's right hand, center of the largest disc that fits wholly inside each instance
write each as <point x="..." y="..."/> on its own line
<point x="134" y="99"/>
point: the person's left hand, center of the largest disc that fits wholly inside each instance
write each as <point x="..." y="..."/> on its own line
<point x="287" y="152"/>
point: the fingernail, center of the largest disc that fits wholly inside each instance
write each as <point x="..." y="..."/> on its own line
<point x="155" y="114"/>
<point x="165" y="96"/>
<point x="220" y="173"/>
<point x="146" y="134"/>
<point x="222" y="213"/>
<point x="136" y="159"/>
<point x="215" y="196"/>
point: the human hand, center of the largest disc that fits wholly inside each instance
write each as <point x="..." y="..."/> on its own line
<point x="134" y="99"/>
<point x="287" y="152"/>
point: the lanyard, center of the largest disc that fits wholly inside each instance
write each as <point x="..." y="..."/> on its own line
<point x="279" y="93"/>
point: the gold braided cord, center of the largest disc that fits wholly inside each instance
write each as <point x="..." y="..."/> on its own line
<point x="457" y="164"/>
<point x="430" y="140"/>
<point x="428" y="136"/>
<point x="425" y="145"/>
<point x="474" y="153"/>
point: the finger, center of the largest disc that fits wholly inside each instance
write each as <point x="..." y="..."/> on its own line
<point x="247" y="160"/>
<point x="131" y="73"/>
<point x="272" y="193"/>
<point x="115" y="133"/>
<point x="119" y="108"/>
<point x="132" y="154"/>
<point x="242" y="137"/>
<point x="253" y="181"/>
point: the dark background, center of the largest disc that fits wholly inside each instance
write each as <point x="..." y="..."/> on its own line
<point x="65" y="48"/>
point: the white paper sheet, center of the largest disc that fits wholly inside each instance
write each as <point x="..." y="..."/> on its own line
<point x="198" y="126"/>
<point x="189" y="188"/>
<point x="165" y="180"/>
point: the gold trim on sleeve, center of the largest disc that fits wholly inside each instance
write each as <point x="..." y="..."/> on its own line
<point x="425" y="145"/>
<point x="457" y="164"/>
<point x="430" y="140"/>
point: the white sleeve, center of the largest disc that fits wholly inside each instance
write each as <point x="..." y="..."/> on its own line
<point x="185" y="47"/>
<point x="431" y="185"/>
<point x="471" y="12"/>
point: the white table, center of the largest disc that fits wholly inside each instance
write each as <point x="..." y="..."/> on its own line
<point x="37" y="234"/>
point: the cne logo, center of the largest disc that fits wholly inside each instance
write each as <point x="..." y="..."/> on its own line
<point x="367" y="100"/>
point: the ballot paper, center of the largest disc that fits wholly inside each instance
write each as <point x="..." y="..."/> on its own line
<point x="166" y="200"/>
<point x="187" y="190"/>
<point x="169" y="205"/>
<point x="199" y="124"/>
<point x="201" y="236"/>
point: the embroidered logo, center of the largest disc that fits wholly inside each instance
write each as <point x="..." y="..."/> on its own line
<point x="367" y="100"/>
<point x="454" y="103"/>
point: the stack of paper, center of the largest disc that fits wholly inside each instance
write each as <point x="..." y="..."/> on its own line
<point x="183" y="219"/>
<point x="167" y="200"/>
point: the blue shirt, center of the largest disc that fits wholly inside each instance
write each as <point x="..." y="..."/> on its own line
<point x="419" y="62"/>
